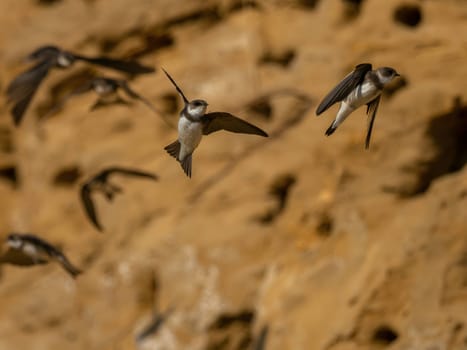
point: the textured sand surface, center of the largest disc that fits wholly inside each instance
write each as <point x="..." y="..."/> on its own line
<point x="310" y="241"/>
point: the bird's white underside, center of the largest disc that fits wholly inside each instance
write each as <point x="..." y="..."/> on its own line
<point x="189" y="136"/>
<point x="360" y="96"/>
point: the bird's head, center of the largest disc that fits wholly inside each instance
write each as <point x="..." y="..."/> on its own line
<point x="386" y="74"/>
<point x="43" y="53"/>
<point x="104" y="86"/>
<point x="65" y="59"/>
<point x="196" y="108"/>
<point x="14" y="240"/>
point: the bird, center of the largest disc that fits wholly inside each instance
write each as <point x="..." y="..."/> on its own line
<point x="40" y="251"/>
<point x="100" y="182"/>
<point x="107" y="89"/>
<point x="194" y="122"/>
<point x="22" y="88"/>
<point x="362" y="86"/>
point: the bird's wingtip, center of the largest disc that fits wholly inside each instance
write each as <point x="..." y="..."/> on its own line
<point x="330" y="130"/>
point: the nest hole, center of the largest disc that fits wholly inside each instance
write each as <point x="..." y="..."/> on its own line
<point x="384" y="335"/>
<point x="9" y="174"/>
<point x="408" y="15"/>
<point x="352" y="8"/>
<point x="282" y="59"/>
<point x="67" y="176"/>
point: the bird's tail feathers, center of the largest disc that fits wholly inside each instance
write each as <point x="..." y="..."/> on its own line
<point x="173" y="149"/>
<point x="186" y="165"/>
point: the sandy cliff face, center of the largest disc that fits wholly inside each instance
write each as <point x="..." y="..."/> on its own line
<point x="298" y="241"/>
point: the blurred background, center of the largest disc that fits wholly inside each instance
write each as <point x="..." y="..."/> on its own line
<point x="298" y="241"/>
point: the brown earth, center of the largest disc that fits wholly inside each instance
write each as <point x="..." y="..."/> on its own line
<point x="303" y="241"/>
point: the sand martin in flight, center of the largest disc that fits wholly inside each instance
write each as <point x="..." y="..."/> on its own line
<point x="107" y="92"/>
<point x="40" y="251"/>
<point x="100" y="182"/>
<point x="194" y="122"/>
<point x="363" y="86"/>
<point x="22" y="89"/>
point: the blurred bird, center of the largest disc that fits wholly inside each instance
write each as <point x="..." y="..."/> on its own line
<point x="107" y="92"/>
<point x="362" y="86"/>
<point x="22" y="89"/>
<point x="99" y="182"/>
<point x="194" y="122"/>
<point x="40" y="251"/>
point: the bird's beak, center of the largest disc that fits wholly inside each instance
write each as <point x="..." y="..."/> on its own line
<point x="398" y="75"/>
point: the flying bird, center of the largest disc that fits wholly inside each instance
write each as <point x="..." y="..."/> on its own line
<point x="194" y="122"/>
<point x="100" y="182"/>
<point x="362" y="86"/>
<point x="22" y="89"/>
<point x="40" y="251"/>
<point x="107" y="92"/>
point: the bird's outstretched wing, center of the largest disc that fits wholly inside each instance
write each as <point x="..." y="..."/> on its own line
<point x="22" y="89"/>
<point x="133" y="94"/>
<point x="88" y="205"/>
<point x="372" y="108"/>
<point x="216" y="121"/>
<point x="342" y="89"/>
<point x="185" y="100"/>
<point x="82" y="89"/>
<point x="128" y="171"/>
<point x="131" y="67"/>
